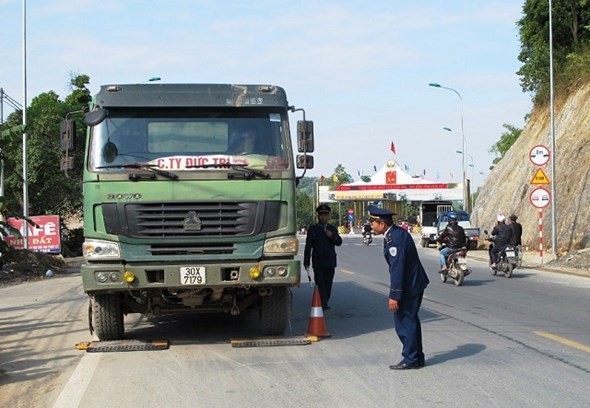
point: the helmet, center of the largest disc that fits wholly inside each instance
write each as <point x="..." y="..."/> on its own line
<point x="501" y="218"/>
<point x="453" y="217"/>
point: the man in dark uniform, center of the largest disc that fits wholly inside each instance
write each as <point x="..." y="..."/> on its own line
<point x="322" y="238"/>
<point x="407" y="283"/>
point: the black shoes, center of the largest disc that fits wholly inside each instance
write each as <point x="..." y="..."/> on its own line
<point x="326" y="307"/>
<point x="406" y="366"/>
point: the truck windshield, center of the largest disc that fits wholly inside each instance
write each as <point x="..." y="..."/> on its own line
<point x="190" y="139"/>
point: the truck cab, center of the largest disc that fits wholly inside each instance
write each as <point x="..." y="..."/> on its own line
<point x="177" y="216"/>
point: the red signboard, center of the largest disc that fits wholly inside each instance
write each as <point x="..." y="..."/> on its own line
<point x="391" y="177"/>
<point x="45" y="237"/>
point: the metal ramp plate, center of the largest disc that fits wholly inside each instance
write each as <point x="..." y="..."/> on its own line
<point x="123" y="345"/>
<point x="269" y="342"/>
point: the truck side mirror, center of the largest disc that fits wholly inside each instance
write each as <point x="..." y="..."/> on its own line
<point x="95" y="117"/>
<point x="304" y="161"/>
<point x="305" y="136"/>
<point x="67" y="130"/>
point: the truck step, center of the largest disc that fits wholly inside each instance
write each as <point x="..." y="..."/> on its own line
<point x="123" y="345"/>
<point x="266" y="342"/>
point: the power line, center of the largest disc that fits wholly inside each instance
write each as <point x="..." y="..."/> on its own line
<point x="5" y="98"/>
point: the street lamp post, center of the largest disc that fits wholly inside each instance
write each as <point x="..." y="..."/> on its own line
<point x="472" y="165"/>
<point x="463" y="165"/>
<point x="465" y="196"/>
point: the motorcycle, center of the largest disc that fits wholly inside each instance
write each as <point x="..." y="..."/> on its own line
<point x="457" y="268"/>
<point x="367" y="238"/>
<point x="508" y="260"/>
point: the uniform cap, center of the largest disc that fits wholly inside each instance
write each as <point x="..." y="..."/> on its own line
<point x="501" y="218"/>
<point x="513" y="217"/>
<point x="376" y="213"/>
<point x="323" y="208"/>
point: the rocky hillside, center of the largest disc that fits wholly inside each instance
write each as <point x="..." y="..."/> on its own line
<point x="507" y="189"/>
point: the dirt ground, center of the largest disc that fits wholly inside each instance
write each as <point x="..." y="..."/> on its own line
<point x="575" y="260"/>
<point x="21" y="266"/>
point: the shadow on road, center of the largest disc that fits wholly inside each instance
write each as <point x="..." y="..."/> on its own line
<point x="463" y="350"/>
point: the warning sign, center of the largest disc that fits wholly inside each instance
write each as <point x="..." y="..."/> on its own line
<point x="540" y="177"/>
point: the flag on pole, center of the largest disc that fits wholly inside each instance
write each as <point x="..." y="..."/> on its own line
<point x="393" y="148"/>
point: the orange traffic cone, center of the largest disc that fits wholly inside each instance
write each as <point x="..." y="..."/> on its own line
<point x="317" y="324"/>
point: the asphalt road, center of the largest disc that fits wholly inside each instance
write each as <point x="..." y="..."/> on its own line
<point x="493" y="342"/>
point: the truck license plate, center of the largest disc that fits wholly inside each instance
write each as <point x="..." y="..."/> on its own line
<point x="192" y="275"/>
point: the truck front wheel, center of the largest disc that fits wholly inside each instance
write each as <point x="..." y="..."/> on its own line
<point x="274" y="312"/>
<point x="107" y="317"/>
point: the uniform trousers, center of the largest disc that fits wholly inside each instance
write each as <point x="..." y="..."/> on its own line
<point x="324" y="277"/>
<point x="409" y="329"/>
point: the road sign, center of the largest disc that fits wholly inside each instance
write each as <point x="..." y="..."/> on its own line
<point x="540" y="177"/>
<point x="540" y="197"/>
<point x="539" y="155"/>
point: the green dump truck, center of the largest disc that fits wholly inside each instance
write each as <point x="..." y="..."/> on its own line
<point x="181" y="212"/>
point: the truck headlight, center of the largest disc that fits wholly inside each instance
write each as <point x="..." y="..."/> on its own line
<point x="97" y="249"/>
<point x="281" y="246"/>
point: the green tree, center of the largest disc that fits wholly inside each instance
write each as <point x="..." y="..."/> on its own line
<point x="48" y="193"/>
<point x="305" y="209"/>
<point x="507" y="139"/>
<point x="571" y="36"/>
<point x="338" y="177"/>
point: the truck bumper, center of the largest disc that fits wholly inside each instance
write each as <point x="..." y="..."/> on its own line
<point x="107" y="278"/>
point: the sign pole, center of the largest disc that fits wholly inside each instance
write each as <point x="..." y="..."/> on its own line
<point x="541" y="235"/>
<point x="540" y="198"/>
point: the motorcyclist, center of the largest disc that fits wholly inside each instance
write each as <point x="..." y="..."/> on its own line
<point x="367" y="230"/>
<point x="516" y="240"/>
<point x="454" y="238"/>
<point x="501" y="236"/>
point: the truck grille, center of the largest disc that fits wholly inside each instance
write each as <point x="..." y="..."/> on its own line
<point x="190" y="219"/>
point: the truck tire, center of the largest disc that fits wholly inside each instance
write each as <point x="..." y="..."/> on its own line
<point x="107" y="317"/>
<point x="274" y="312"/>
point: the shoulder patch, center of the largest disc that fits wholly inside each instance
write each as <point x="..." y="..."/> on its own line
<point x="393" y="251"/>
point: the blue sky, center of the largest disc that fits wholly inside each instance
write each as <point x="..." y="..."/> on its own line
<point x="360" y="69"/>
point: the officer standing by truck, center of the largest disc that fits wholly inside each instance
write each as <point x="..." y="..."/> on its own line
<point x="322" y="238"/>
